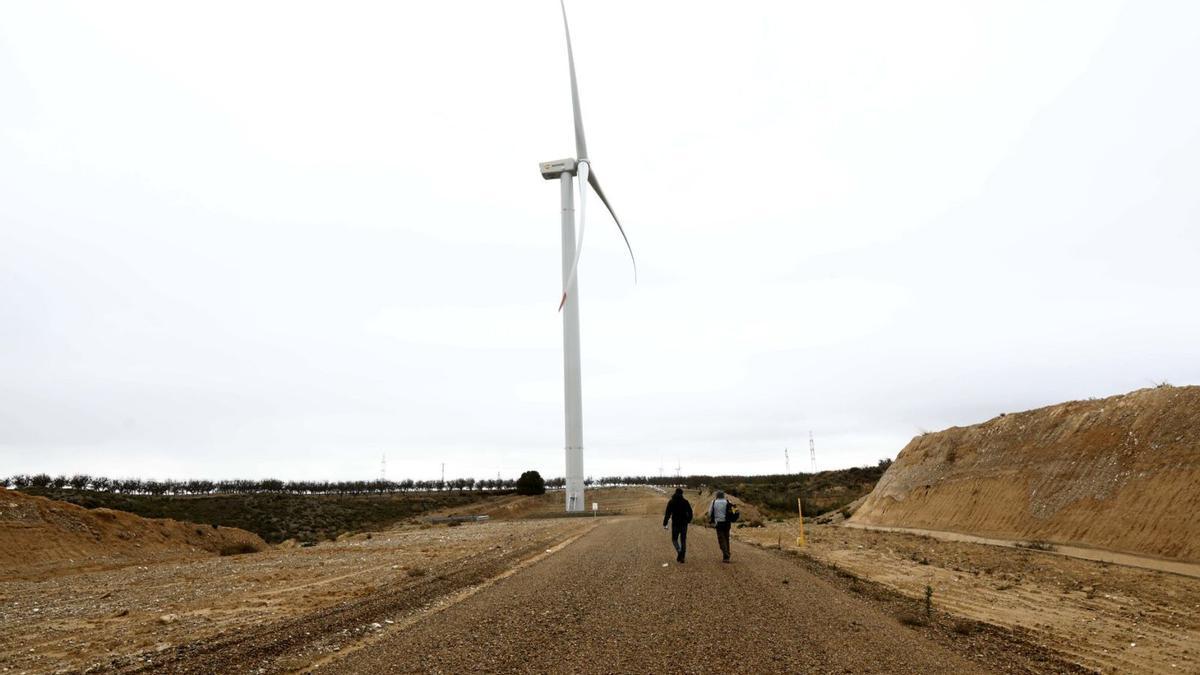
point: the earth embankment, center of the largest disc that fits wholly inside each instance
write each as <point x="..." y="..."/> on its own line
<point x="1120" y="473"/>
<point x="41" y="537"/>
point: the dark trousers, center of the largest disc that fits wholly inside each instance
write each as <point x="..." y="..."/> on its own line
<point x="679" y="540"/>
<point x="723" y="538"/>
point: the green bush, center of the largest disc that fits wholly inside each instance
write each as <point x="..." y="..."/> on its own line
<point x="531" y="483"/>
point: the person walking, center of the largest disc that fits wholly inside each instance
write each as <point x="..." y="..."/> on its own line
<point x="679" y="513"/>
<point x="719" y="514"/>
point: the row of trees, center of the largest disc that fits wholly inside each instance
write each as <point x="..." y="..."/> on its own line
<point x="703" y="480"/>
<point x="270" y="485"/>
<point x="359" y="487"/>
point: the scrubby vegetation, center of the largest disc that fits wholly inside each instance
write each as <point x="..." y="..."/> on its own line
<point x="820" y="492"/>
<point x="308" y="511"/>
<point x="140" y="486"/>
<point x="273" y="516"/>
<point x="1037" y="545"/>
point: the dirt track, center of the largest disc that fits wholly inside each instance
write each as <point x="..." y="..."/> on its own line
<point x="607" y="603"/>
<point x="588" y="595"/>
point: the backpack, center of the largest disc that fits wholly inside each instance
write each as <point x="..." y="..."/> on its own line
<point x="731" y="512"/>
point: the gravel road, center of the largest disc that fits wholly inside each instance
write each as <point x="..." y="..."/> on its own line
<point x="606" y="603"/>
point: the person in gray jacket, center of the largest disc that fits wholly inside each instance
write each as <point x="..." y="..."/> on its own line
<point x="718" y="515"/>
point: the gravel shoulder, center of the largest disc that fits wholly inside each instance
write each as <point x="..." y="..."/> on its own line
<point x="1103" y="616"/>
<point x="616" y="601"/>
<point x="276" y="610"/>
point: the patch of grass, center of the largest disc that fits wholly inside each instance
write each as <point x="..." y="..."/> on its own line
<point x="417" y="571"/>
<point x="911" y="618"/>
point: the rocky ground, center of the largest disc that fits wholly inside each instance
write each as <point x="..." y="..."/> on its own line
<point x="1111" y="618"/>
<point x="597" y="595"/>
<point x="268" y="607"/>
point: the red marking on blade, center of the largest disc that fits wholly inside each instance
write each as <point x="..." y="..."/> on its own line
<point x="564" y="301"/>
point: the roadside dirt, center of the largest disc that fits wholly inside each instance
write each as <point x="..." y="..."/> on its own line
<point x="611" y="501"/>
<point x="1106" y="617"/>
<point x="192" y="615"/>
<point x="591" y="594"/>
<point x="42" y="538"/>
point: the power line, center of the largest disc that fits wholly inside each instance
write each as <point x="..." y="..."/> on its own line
<point x="812" y="451"/>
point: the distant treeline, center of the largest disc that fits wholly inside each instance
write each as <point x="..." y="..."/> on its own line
<point x="139" y="486"/>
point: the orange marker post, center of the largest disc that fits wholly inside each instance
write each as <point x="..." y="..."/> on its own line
<point x="800" y="510"/>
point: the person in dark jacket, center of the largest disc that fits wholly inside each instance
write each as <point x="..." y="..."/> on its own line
<point x="679" y="513"/>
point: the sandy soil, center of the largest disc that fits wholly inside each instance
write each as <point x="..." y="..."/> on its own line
<point x="1107" y="617"/>
<point x="1119" y="473"/>
<point x="592" y="594"/>
<point x="41" y="538"/>
<point x="142" y="615"/>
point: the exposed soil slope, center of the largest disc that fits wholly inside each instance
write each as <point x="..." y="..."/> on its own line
<point x="41" y="537"/>
<point x="1120" y="473"/>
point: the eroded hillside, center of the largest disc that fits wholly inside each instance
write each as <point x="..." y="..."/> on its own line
<point x="41" y="537"/>
<point x="1120" y="473"/>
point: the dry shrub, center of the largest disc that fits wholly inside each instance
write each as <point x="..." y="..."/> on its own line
<point x="1037" y="545"/>
<point x="238" y="548"/>
<point x="964" y="627"/>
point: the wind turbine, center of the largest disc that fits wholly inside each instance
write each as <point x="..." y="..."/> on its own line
<point x="565" y="171"/>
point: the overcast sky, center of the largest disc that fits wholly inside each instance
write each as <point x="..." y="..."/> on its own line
<point x="283" y="239"/>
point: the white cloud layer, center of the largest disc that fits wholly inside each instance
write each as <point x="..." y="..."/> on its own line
<point x="286" y="238"/>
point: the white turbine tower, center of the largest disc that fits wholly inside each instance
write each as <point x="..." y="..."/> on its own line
<point x="565" y="170"/>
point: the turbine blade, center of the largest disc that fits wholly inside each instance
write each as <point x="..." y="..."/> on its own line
<point x="595" y="183"/>
<point x="580" y="143"/>
<point x="570" y="280"/>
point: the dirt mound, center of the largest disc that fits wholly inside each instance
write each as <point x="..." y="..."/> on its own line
<point x="1121" y="473"/>
<point x="40" y="537"/>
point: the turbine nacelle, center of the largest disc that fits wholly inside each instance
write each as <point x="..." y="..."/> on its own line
<point x="553" y="170"/>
